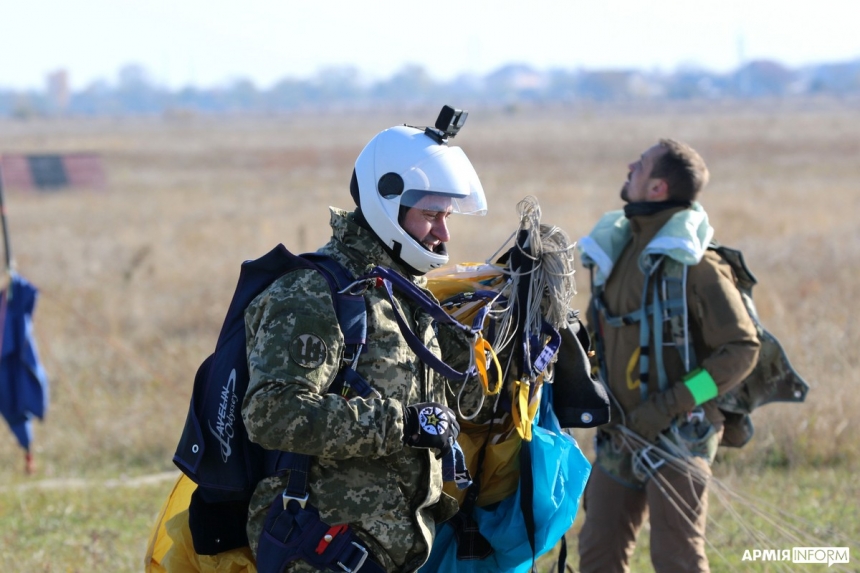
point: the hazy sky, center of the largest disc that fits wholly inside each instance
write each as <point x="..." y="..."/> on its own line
<point x="211" y="42"/>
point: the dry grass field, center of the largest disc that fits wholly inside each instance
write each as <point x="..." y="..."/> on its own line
<point x="135" y="280"/>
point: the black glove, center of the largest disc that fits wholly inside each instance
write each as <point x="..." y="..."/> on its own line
<point x="430" y="425"/>
<point x="655" y="414"/>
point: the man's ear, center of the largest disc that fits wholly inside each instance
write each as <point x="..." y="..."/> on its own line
<point x="658" y="190"/>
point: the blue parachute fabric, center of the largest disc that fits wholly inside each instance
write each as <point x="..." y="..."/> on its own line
<point x="23" y="382"/>
<point x="560" y="471"/>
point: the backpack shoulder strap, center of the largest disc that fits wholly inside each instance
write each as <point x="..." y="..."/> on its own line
<point x="674" y="291"/>
<point x="351" y="309"/>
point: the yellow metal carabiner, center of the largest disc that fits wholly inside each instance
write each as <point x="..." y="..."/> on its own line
<point x="485" y="354"/>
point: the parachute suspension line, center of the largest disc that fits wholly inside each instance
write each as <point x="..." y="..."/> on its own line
<point x="781" y="520"/>
<point x="756" y="535"/>
<point x="664" y="486"/>
<point x="504" y="316"/>
<point x="551" y="284"/>
<point x="463" y="387"/>
<point x="722" y="492"/>
<point x="676" y="458"/>
<point x="500" y="249"/>
<point x="548" y="292"/>
<point x="460" y="397"/>
<point x="784" y="523"/>
<point x="695" y="475"/>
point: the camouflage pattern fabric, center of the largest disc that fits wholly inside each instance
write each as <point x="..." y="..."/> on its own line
<point x="631" y="469"/>
<point x="361" y="473"/>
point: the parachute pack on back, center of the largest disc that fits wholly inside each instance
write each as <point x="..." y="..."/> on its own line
<point x="772" y="380"/>
<point x="214" y="449"/>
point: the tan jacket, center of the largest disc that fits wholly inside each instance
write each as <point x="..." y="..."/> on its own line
<point x="723" y="333"/>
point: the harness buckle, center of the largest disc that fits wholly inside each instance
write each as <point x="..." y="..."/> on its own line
<point x="696" y="416"/>
<point x="646" y="455"/>
<point x="351" y="354"/>
<point x="361" y="560"/>
<point x="358" y="287"/>
<point x="644" y="465"/>
<point x="288" y="498"/>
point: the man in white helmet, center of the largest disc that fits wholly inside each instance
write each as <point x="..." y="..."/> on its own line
<point x="375" y="474"/>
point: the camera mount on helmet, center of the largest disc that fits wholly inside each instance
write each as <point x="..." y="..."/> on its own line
<point x="448" y="124"/>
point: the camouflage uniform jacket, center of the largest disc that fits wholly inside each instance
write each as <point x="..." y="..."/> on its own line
<point x="361" y="473"/>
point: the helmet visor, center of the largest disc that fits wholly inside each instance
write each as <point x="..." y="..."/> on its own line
<point x="444" y="182"/>
<point x="444" y="202"/>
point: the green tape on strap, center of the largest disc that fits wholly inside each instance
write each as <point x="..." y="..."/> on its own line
<point x="701" y="385"/>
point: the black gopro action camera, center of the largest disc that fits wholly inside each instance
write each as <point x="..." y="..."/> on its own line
<point x="448" y="124"/>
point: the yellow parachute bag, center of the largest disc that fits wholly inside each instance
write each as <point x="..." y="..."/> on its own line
<point x="452" y="280"/>
<point x="499" y="472"/>
<point x="171" y="548"/>
<point x="501" y="469"/>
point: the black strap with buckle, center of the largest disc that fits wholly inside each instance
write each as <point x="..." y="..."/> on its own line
<point x="294" y="530"/>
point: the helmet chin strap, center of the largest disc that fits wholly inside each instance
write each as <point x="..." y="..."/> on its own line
<point x="395" y="254"/>
<point x="442" y="249"/>
<point x="398" y="247"/>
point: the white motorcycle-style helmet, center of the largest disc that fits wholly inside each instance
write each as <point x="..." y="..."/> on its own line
<point x="404" y="165"/>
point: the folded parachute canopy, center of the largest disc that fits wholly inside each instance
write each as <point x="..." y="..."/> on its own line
<point x="23" y="383"/>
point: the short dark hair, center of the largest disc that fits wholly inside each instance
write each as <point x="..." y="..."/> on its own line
<point x="683" y="170"/>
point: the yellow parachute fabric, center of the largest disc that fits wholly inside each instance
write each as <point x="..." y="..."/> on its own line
<point x="501" y="468"/>
<point x="500" y="474"/>
<point x="451" y="280"/>
<point x="171" y="549"/>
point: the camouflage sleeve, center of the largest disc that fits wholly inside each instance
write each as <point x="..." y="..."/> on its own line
<point x="294" y="351"/>
<point x="718" y="311"/>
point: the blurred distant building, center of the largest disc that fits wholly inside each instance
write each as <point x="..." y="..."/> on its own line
<point x="515" y="82"/>
<point x="340" y="88"/>
<point x="762" y="78"/>
<point x="609" y="85"/>
<point x="58" y="91"/>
